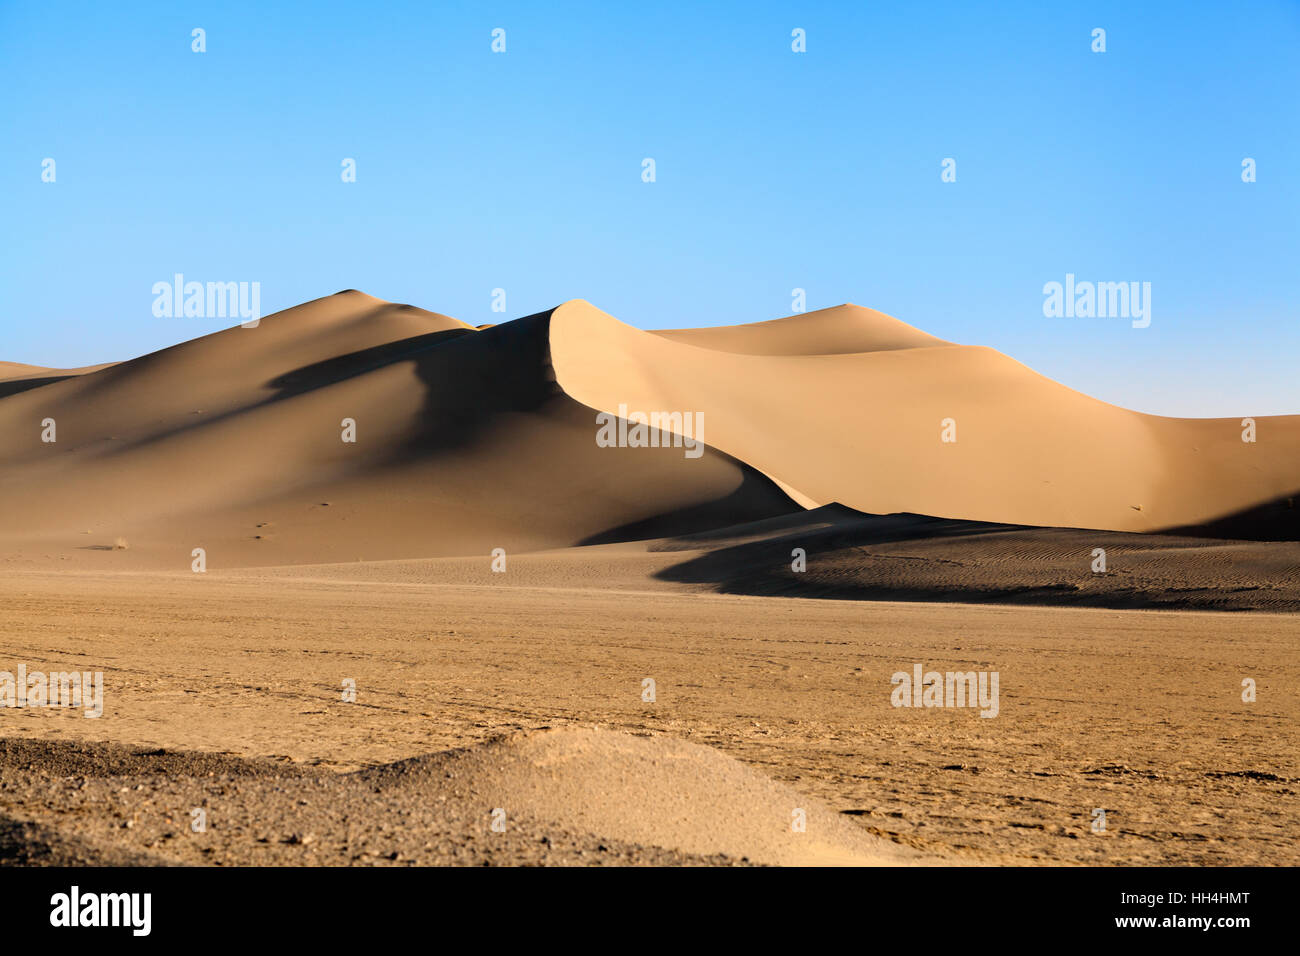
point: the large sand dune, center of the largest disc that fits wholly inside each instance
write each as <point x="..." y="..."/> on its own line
<point x="472" y="439"/>
<point x="864" y="428"/>
<point x="233" y="443"/>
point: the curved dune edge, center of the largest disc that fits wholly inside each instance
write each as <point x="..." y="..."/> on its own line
<point x="235" y="443"/>
<point x="19" y="371"/>
<point x="841" y="329"/>
<point x="865" y="428"/>
<point x="795" y="494"/>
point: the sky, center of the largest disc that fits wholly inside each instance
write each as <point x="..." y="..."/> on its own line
<point x="774" y="170"/>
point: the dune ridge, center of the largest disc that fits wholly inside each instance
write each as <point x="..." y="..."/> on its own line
<point x="471" y="438"/>
<point x="234" y="442"/>
<point x="839" y="330"/>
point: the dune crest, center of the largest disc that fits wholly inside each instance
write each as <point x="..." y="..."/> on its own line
<point x="835" y="331"/>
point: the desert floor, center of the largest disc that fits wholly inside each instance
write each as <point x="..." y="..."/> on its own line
<point x="1136" y="712"/>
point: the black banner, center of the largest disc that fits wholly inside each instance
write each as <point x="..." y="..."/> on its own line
<point x="1165" y="906"/>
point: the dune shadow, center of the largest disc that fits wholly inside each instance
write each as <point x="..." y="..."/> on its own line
<point x="16" y="386"/>
<point x="762" y="563"/>
<point x="984" y="563"/>
<point x="507" y="369"/>
<point x="725" y="512"/>
<point x="471" y="383"/>
<point x="1275" y="520"/>
<point x="340" y="368"/>
<point x="317" y="375"/>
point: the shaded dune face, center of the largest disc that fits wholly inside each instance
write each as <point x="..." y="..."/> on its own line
<point x="233" y="442"/>
<point x="16" y="377"/>
<point x="916" y="558"/>
<point x="471" y="439"/>
<point x="851" y="406"/>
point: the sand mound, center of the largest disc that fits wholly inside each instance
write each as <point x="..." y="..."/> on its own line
<point x="557" y="797"/>
<point x="867" y="428"/>
<point x="643" y="790"/>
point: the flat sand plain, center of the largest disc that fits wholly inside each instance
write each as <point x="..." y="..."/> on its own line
<point x="1134" y="712"/>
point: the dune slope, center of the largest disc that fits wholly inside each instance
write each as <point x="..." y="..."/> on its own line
<point x="867" y="428"/>
<point x="235" y="443"/>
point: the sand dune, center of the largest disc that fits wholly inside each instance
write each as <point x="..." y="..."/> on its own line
<point x="233" y="443"/>
<point x="470" y="439"/>
<point x="865" y="429"/>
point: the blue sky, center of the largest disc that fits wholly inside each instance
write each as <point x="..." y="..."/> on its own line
<point x="775" y="170"/>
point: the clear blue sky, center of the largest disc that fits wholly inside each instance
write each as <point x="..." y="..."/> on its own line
<point x="775" y="170"/>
